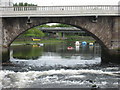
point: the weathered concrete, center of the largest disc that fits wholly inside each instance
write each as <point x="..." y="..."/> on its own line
<point x="105" y="30"/>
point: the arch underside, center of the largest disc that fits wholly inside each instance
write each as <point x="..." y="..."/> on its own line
<point x="100" y="30"/>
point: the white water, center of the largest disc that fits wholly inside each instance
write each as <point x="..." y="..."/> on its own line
<point x="57" y="60"/>
<point x="11" y="79"/>
<point x="39" y="74"/>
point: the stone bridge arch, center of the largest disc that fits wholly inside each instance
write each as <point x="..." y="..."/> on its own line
<point x="100" y="30"/>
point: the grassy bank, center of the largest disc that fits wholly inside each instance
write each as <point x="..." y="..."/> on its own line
<point x="88" y="39"/>
<point x="42" y="41"/>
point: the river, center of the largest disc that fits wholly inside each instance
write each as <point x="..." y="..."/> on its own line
<point x="55" y="66"/>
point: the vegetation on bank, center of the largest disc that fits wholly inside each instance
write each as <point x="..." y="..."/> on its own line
<point x="34" y="32"/>
<point x="42" y="41"/>
<point x="46" y="41"/>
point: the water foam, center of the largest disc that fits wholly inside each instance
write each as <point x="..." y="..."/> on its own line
<point x="12" y="79"/>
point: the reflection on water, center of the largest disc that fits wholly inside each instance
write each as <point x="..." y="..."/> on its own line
<point x="54" y="66"/>
<point x="30" y="52"/>
<point x="56" y="54"/>
<point x="27" y="52"/>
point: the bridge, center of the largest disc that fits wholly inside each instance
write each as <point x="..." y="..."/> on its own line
<point x="62" y="29"/>
<point x="99" y="21"/>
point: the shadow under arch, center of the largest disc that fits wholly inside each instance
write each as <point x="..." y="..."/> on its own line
<point x="79" y="27"/>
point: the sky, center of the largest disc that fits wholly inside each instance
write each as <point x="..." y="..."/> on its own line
<point x="69" y="2"/>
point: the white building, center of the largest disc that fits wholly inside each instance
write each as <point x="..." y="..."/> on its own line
<point x="6" y="3"/>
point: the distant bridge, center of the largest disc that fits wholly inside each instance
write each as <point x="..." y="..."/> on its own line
<point x="62" y="29"/>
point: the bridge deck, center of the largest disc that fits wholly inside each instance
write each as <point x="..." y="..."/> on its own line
<point x="48" y="11"/>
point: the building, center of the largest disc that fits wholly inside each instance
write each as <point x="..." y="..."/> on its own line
<point x="6" y="3"/>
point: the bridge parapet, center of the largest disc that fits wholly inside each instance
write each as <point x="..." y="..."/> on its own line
<point x="87" y="10"/>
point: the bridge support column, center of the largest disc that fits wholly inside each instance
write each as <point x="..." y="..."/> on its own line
<point x="115" y="42"/>
<point x="3" y="35"/>
<point x="4" y="48"/>
<point x="5" y="55"/>
<point x="113" y="54"/>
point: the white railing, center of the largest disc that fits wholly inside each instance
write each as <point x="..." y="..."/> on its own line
<point x="60" y="10"/>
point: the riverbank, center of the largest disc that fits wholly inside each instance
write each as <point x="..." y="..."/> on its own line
<point x="46" y="40"/>
<point x="34" y="42"/>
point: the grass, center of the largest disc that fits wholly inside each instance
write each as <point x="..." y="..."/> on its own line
<point x="42" y="41"/>
<point x="88" y="39"/>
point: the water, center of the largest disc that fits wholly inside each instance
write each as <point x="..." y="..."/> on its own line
<point x="54" y="66"/>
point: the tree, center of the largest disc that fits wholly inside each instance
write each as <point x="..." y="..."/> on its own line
<point x="34" y="32"/>
<point x="21" y="4"/>
<point x="24" y="4"/>
<point x="15" y="4"/>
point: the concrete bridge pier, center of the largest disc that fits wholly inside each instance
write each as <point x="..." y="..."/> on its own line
<point x="4" y="48"/>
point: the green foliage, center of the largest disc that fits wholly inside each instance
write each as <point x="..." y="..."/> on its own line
<point x="23" y="4"/>
<point x="34" y="32"/>
<point x="15" y="4"/>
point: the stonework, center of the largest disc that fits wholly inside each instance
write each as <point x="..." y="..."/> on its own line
<point x="105" y="30"/>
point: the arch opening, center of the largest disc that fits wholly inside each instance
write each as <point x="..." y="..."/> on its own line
<point x="78" y="34"/>
<point x="97" y="39"/>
